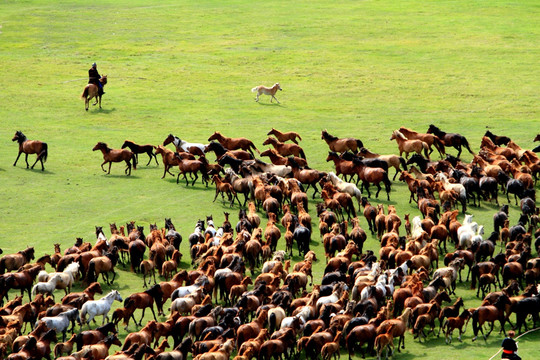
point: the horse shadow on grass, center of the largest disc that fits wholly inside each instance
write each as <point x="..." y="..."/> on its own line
<point x="100" y="111"/>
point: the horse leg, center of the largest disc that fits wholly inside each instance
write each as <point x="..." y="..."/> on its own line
<point x="99" y="101"/>
<point x="17" y="159"/>
<point x="314" y="188"/>
<point x="153" y="313"/>
<point x="276" y="99"/>
<point x="378" y="190"/>
<point x="26" y="159"/>
<point x="195" y="179"/>
<point x="142" y="316"/>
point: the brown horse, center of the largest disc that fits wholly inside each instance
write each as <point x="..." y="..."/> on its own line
<point x="285" y="149"/>
<point x="22" y="280"/>
<point x="341" y="145"/>
<point x="392" y="160"/>
<point x="91" y="91"/>
<point x="429" y="139"/>
<point x="30" y="147"/>
<point x="141" y="149"/>
<point x="306" y="176"/>
<point x="407" y="146"/>
<point x="11" y="262"/>
<point x="490" y="313"/>
<point x="234" y="143"/>
<point x="78" y="299"/>
<point x="169" y="159"/>
<point x="116" y="155"/>
<point x="284" y="136"/>
<point x="192" y="167"/>
<point x="374" y="176"/>
<point x="145" y="299"/>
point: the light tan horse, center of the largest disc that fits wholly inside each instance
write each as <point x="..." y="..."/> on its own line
<point x="261" y="89"/>
<point x="407" y="146"/>
<point x="92" y="91"/>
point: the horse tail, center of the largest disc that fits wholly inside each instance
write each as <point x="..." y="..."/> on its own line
<point x="387" y="183"/>
<point x="83" y="315"/>
<point x="44" y="152"/>
<point x="298" y="136"/>
<point x="359" y="143"/>
<point x="403" y="163"/>
<point x="426" y="149"/>
<point x="474" y="274"/>
<point x="134" y="158"/>
<point x="439" y="145"/>
<point x="302" y="154"/>
<point x="90" y="274"/>
<point x="475" y="321"/>
<point x="272" y="320"/>
<point x="255" y="89"/>
<point x="128" y="302"/>
<point x="351" y="205"/>
<point x="466" y="144"/>
<point x="253" y="146"/>
<point x="84" y="94"/>
<point x="2" y="266"/>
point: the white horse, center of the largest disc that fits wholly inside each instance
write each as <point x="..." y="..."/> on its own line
<point x="102" y="306"/>
<point x="467" y="231"/>
<point x="184" y="145"/>
<point x="60" y="322"/>
<point x="67" y="277"/>
<point x="186" y="290"/>
<point x="332" y="298"/>
<point x="417" y="229"/>
<point x="346" y="187"/>
<point x="46" y="288"/>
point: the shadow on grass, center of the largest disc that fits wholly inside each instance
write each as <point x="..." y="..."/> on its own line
<point x="100" y="111"/>
<point x="270" y="104"/>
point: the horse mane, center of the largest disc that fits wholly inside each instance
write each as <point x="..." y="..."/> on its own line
<point x="326" y="135"/>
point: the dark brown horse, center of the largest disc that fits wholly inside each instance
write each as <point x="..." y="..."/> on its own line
<point x="22" y="280"/>
<point x="78" y="299"/>
<point x="91" y="91"/>
<point x="141" y="149"/>
<point x="11" y="262"/>
<point x="450" y="139"/>
<point x="30" y="147"/>
<point x="341" y="145"/>
<point x="145" y="299"/>
<point x="233" y="143"/>
<point x="116" y="155"/>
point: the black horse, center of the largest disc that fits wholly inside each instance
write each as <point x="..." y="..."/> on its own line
<point x="497" y="140"/>
<point x="302" y="235"/>
<point x="450" y="139"/>
<point x="525" y="307"/>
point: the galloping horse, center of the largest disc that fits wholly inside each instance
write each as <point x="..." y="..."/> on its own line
<point x="341" y="145"/>
<point x="284" y="136"/>
<point x="450" y="139"/>
<point x="116" y="155"/>
<point x="233" y="143"/>
<point x="267" y="91"/>
<point x="140" y="149"/>
<point x="30" y="147"/>
<point x="406" y="146"/>
<point x="91" y="91"/>
<point x="184" y="146"/>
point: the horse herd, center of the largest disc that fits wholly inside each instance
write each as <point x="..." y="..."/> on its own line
<point x="363" y="301"/>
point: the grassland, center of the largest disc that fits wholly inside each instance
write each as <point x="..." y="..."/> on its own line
<point x="355" y="68"/>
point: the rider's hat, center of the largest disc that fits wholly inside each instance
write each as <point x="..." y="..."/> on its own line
<point x="94" y="64"/>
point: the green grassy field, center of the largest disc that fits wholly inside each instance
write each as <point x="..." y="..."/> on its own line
<point x="358" y="69"/>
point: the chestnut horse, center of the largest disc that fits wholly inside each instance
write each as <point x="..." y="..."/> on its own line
<point x="234" y="143"/>
<point x="30" y="147"/>
<point x="341" y="145"/>
<point x="116" y="155"/>
<point x="91" y="91"/>
<point x="407" y="146"/>
<point x="141" y="149"/>
<point x="284" y="136"/>
<point x="285" y="149"/>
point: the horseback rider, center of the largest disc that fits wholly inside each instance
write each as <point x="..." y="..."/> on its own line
<point x="94" y="78"/>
